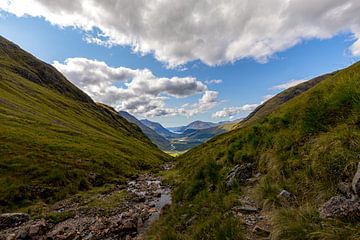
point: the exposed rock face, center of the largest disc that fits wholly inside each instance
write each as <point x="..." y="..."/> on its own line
<point x="346" y="206"/>
<point x="239" y="174"/>
<point x="341" y="208"/>
<point x="356" y="183"/>
<point x="8" y="220"/>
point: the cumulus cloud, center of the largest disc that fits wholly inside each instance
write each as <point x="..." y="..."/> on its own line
<point x="138" y="91"/>
<point x="232" y="111"/>
<point x="288" y="84"/>
<point x="213" y="31"/>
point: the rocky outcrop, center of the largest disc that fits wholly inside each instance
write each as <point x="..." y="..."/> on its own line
<point x="8" y="220"/>
<point x="340" y="207"/>
<point x="347" y="205"/>
<point x="239" y="174"/>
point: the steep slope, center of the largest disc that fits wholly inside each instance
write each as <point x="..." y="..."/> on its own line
<point x="275" y="102"/>
<point x="159" y="140"/>
<point x="307" y="146"/>
<point x="55" y="140"/>
<point x="157" y="127"/>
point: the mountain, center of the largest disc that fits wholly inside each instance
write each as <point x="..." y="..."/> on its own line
<point x="193" y="125"/>
<point x="54" y="140"/>
<point x="275" y="102"/>
<point x="278" y="173"/>
<point x="157" y="127"/>
<point x="159" y="140"/>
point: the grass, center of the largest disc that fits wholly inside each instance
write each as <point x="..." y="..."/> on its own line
<point x="109" y="202"/>
<point x="306" y="146"/>
<point x="53" y="143"/>
<point x="57" y="217"/>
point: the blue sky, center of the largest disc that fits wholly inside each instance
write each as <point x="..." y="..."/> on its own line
<point x="244" y="81"/>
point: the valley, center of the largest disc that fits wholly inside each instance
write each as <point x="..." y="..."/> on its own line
<point x="71" y="168"/>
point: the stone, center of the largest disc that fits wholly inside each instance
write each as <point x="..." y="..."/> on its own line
<point x="22" y="234"/>
<point x="340" y="207"/>
<point x="11" y="236"/>
<point x="239" y="174"/>
<point x="260" y="231"/>
<point x="284" y="193"/>
<point x="8" y="220"/>
<point x="211" y="188"/>
<point x="247" y="209"/>
<point x="345" y="189"/>
<point x="38" y="228"/>
<point x="356" y="183"/>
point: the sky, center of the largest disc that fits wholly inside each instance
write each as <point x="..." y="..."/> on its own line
<point x="176" y="62"/>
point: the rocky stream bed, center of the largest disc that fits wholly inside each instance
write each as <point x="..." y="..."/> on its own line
<point x="117" y="212"/>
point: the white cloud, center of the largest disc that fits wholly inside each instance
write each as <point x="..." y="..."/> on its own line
<point x="215" y="81"/>
<point x="288" y="84"/>
<point x="213" y="31"/>
<point x="247" y="108"/>
<point x="138" y="91"/>
<point x="231" y="111"/>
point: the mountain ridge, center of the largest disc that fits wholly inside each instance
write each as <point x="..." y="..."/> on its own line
<point x="55" y="141"/>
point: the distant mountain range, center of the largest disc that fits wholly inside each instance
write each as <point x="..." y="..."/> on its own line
<point x="179" y="138"/>
<point x="159" y="140"/>
<point x="194" y="125"/>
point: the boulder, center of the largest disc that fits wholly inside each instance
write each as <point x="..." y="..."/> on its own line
<point x="8" y="220"/>
<point x="356" y="183"/>
<point x="340" y="207"/>
<point x="239" y="174"/>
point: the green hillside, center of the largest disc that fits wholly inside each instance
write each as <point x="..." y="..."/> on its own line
<point x="54" y="140"/>
<point x="307" y="146"/>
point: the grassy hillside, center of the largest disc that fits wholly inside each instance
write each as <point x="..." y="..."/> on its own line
<point x="55" y="140"/>
<point x="307" y="146"/>
<point x="159" y="140"/>
<point x="275" y="102"/>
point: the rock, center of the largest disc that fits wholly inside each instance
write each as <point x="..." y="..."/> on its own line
<point x="246" y="209"/>
<point x="356" y="183"/>
<point x="8" y="220"/>
<point x="22" y="234"/>
<point x="345" y="189"/>
<point x="211" y="188"/>
<point x="38" y="228"/>
<point x="284" y="193"/>
<point x="260" y="231"/>
<point x="339" y="207"/>
<point x="11" y="236"/>
<point x="240" y="173"/>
